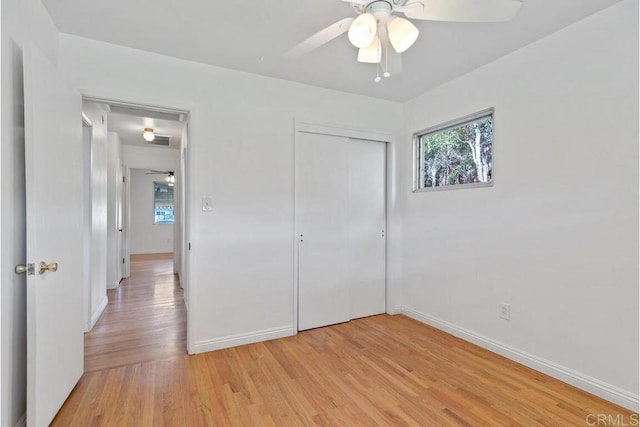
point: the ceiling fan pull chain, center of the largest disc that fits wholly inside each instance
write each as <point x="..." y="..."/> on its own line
<point x="386" y="60"/>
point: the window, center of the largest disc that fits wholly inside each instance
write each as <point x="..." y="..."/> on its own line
<point x="163" y="203"/>
<point x="457" y="154"/>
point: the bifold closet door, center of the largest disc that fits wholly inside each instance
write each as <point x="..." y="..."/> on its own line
<point x="340" y="220"/>
<point x="322" y="230"/>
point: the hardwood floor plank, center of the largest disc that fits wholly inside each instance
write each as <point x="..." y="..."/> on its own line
<point x="381" y="370"/>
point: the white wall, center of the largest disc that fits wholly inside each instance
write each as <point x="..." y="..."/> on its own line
<point x="98" y="266"/>
<point x="147" y="237"/>
<point x="557" y="235"/>
<point x="23" y="21"/>
<point x="241" y="154"/>
<point x="114" y="156"/>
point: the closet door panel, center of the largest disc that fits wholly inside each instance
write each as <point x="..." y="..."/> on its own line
<point x="322" y="230"/>
<point x="366" y="223"/>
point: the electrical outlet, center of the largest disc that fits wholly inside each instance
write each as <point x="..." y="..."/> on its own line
<point x="504" y="311"/>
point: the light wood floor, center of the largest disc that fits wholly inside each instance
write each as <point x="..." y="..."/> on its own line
<point x="144" y="320"/>
<point x="381" y="370"/>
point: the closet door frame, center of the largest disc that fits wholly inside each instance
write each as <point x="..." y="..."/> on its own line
<point x="341" y="131"/>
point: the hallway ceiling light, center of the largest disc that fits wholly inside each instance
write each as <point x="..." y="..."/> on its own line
<point x="148" y="134"/>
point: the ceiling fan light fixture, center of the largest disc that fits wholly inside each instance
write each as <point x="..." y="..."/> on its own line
<point x="371" y="54"/>
<point x="148" y="134"/>
<point x="402" y="34"/>
<point x="363" y="30"/>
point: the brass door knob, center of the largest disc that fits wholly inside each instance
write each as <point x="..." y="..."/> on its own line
<point x="29" y="269"/>
<point x="52" y="267"/>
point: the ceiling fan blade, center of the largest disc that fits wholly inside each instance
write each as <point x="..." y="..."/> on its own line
<point x="360" y="2"/>
<point x="320" y="38"/>
<point x="461" y="10"/>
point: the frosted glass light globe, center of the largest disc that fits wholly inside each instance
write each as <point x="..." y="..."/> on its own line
<point x="402" y="34"/>
<point x="363" y="30"/>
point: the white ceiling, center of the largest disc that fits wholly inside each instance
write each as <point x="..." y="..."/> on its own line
<point x="129" y="123"/>
<point x="252" y="35"/>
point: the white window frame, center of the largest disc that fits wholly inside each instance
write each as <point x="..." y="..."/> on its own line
<point x="418" y="155"/>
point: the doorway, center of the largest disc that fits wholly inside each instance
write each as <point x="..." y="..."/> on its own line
<point x="130" y="270"/>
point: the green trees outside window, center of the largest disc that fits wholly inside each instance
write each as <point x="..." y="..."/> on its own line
<point x="456" y="154"/>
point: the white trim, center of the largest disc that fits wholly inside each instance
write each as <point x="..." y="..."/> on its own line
<point x="157" y="107"/>
<point x="396" y="310"/>
<point x="96" y="315"/>
<point x="153" y="251"/>
<point x="242" y="339"/>
<point x="86" y="121"/>
<point x="339" y="130"/>
<point x="114" y="285"/>
<point x="22" y="422"/>
<point x="584" y="382"/>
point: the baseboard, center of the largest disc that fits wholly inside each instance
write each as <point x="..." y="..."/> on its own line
<point x="242" y="339"/>
<point x="22" y="422"/>
<point x="584" y="382"/>
<point x="96" y="315"/>
<point x="113" y="285"/>
<point x="394" y="310"/>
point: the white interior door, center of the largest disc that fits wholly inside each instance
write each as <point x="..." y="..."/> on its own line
<point x="120" y="223"/>
<point x="53" y="166"/>
<point x="86" y="178"/>
<point x="322" y="230"/>
<point x="126" y="221"/>
<point x="367" y="207"/>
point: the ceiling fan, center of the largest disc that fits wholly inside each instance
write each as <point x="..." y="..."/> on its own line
<point x="381" y="35"/>
<point x="170" y="178"/>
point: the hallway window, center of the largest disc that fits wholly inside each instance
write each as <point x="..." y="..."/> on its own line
<point x="163" y="203"/>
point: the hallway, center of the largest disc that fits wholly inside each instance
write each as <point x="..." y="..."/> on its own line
<point x="145" y="319"/>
